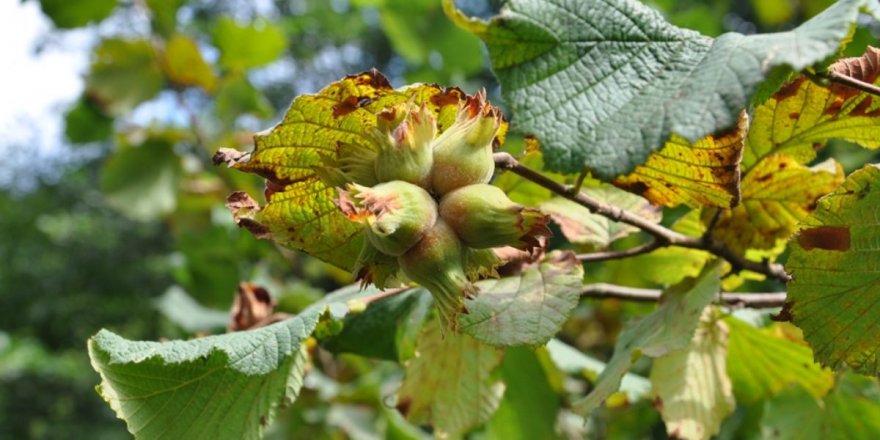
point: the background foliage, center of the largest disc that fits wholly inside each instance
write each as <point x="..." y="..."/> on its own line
<point x="137" y="229"/>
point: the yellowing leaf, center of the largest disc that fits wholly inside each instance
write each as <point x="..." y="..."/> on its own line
<point x="803" y="115"/>
<point x="669" y="328"/>
<point x="316" y="134"/>
<point x="703" y="173"/>
<point x="776" y="194"/>
<point x="184" y="65"/>
<point x="581" y="226"/>
<point x="449" y="383"/>
<point x="693" y="392"/>
<point x="762" y="363"/>
<point x="834" y="259"/>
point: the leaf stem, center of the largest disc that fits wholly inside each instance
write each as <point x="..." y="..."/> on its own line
<point x="616" y="255"/>
<point x="663" y="236"/>
<point x="751" y="300"/>
<point x="839" y="78"/>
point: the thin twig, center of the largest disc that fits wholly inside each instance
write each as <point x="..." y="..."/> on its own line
<point x="849" y="81"/>
<point x="616" y="255"/>
<point x="662" y="235"/>
<point x="751" y="300"/>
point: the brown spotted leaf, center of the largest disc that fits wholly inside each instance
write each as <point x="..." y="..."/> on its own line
<point x="302" y="158"/>
<point x="803" y="115"/>
<point x="702" y="173"/>
<point x="776" y="194"/>
<point x="833" y="296"/>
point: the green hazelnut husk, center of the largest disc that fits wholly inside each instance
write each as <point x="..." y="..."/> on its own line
<point x="404" y="135"/>
<point x="397" y="214"/>
<point x="463" y="153"/>
<point x="436" y="263"/>
<point x="484" y="217"/>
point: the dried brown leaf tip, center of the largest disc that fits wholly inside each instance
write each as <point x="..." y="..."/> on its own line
<point x="252" y="307"/>
<point x="244" y="208"/>
<point x="229" y="156"/>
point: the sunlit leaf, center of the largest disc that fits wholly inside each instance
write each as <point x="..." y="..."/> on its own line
<point x="603" y="84"/>
<point x="124" y="74"/>
<point x="243" y="46"/>
<point x="70" y="14"/>
<point x="525" y="309"/>
<point x="833" y="263"/>
<point x="669" y="328"/>
<point x="448" y="384"/>
<point x="702" y="173"/>
<point x="581" y="226"/>
<point x="574" y="362"/>
<point x="776" y="194"/>
<point x="184" y="65"/>
<point x="142" y="181"/>
<point x="222" y="387"/>
<point x="691" y="387"/>
<point x="300" y="212"/>
<point x="851" y="411"/>
<point x="803" y="115"/>
<point x="668" y="265"/>
<point x="763" y="362"/>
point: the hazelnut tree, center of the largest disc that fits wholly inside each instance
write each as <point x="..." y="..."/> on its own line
<point x="449" y="231"/>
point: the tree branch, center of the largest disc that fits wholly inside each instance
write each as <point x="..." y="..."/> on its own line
<point x="849" y="81"/>
<point x="751" y="300"/>
<point x="662" y="235"/>
<point x="616" y="255"/>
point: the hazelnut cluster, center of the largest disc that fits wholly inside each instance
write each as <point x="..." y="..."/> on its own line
<point x="426" y="205"/>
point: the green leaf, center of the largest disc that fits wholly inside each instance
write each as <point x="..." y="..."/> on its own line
<point x="406" y="22"/>
<point x="833" y="263"/>
<point x="222" y="387"/>
<point x="776" y="194"/>
<point x="580" y="226"/>
<point x="572" y="361"/>
<point x="530" y="406"/>
<point x="763" y="362"/>
<point x="85" y="123"/>
<point x="387" y="329"/>
<point x="449" y="383"/>
<point x="184" y="65"/>
<point x="603" y="84"/>
<point x="124" y="74"/>
<point x="526" y="309"/>
<point x="67" y="14"/>
<point x="669" y="328"/>
<point x="317" y="134"/>
<point x="246" y="46"/>
<point x="164" y="15"/>
<point x="142" y="182"/>
<point x="702" y="173"/>
<point x="692" y="389"/>
<point x="237" y="96"/>
<point x="851" y="411"/>
<point x="802" y="116"/>
<point x="669" y="265"/>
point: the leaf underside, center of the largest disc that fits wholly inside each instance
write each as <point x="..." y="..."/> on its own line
<point x="604" y="83"/>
